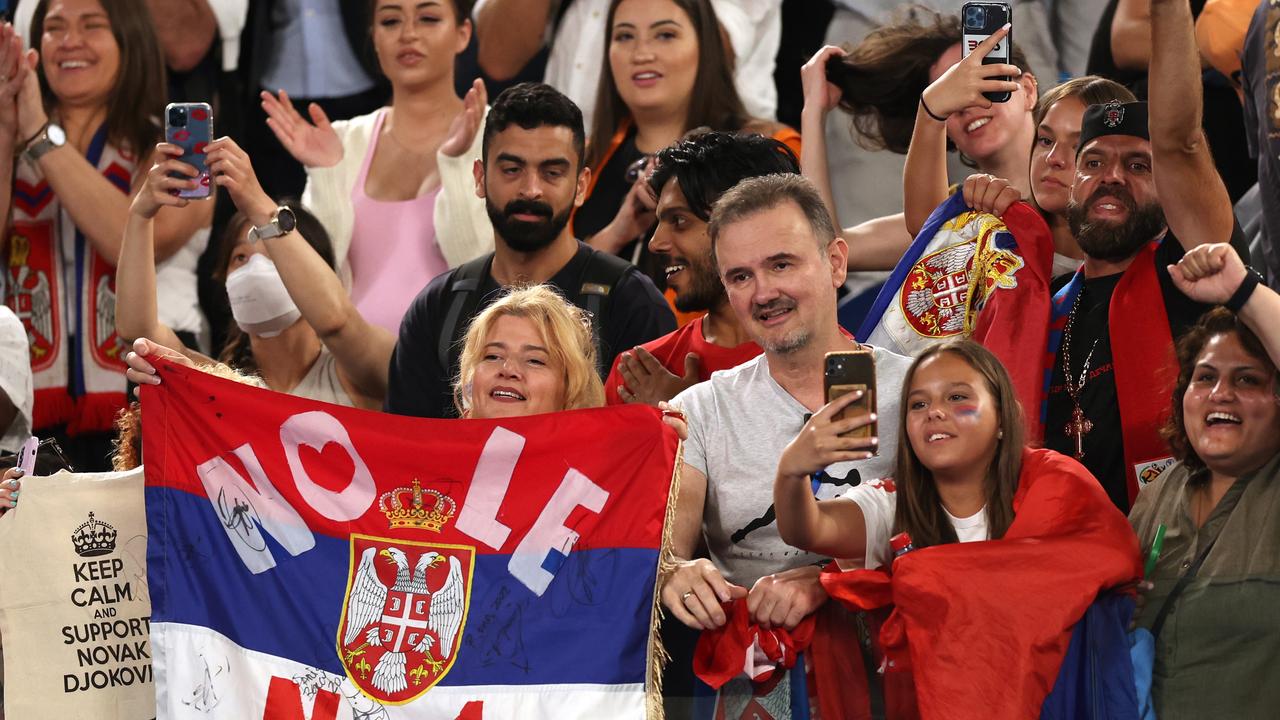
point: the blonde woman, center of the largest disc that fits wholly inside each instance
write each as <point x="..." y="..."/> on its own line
<point x="530" y="352"/>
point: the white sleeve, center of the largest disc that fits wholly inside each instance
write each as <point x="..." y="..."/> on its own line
<point x="462" y="227"/>
<point x="878" y="505"/>
<point x="231" y="16"/>
<point x="697" y="406"/>
<point x="15" y="379"/>
<point x="23" y="12"/>
<point x="754" y="28"/>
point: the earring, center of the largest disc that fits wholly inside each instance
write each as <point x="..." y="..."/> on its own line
<point x="1000" y="434"/>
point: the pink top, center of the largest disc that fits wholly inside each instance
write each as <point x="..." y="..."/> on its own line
<point x="393" y="252"/>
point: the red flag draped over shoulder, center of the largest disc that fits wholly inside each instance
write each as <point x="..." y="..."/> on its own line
<point x="982" y="627"/>
<point x="1014" y="325"/>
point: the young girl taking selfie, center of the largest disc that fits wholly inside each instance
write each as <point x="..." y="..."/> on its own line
<point x="963" y="476"/>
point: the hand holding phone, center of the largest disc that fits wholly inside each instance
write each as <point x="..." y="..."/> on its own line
<point x="847" y="372"/>
<point x="190" y="127"/>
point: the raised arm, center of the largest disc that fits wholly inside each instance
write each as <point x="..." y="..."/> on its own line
<point x="363" y="350"/>
<point x="924" y="178"/>
<point x="1131" y="34"/>
<point x="509" y="33"/>
<point x="820" y="98"/>
<point x="1194" y="198"/>
<point x="137" y="315"/>
<point x="835" y="528"/>
<point x="96" y="206"/>
<point x="186" y="29"/>
<point x="1213" y="274"/>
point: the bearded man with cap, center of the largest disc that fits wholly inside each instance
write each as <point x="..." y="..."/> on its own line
<point x="1145" y="190"/>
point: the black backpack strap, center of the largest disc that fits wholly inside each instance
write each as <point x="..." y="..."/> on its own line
<point x="600" y="275"/>
<point x="464" y="297"/>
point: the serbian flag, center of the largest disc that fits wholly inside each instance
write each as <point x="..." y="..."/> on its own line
<point x="961" y="267"/>
<point x="313" y="561"/>
<point x="981" y="628"/>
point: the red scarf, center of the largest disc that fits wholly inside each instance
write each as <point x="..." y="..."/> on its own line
<point x="981" y="628"/>
<point x="63" y="291"/>
<point x="1146" y="368"/>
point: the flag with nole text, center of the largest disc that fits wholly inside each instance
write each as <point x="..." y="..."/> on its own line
<point x="313" y="561"/>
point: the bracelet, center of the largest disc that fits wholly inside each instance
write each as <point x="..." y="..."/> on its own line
<point x="21" y="147"/>
<point x="929" y="112"/>
<point x="1242" y="294"/>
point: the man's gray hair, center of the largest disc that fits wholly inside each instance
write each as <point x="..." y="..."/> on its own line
<point x="766" y="192"/>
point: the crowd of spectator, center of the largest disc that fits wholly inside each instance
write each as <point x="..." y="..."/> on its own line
<point x="457" y="209"/>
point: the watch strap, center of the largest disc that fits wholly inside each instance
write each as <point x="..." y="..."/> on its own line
<point x="40" y="144"/>
<point x="267" y="231"/>
<point x="1242" y="294"/>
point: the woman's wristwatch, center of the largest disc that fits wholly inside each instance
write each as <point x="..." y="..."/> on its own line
<point x="50" y="137"/>
<point x="1242" y="294"/>
<point x="282" y="222"/>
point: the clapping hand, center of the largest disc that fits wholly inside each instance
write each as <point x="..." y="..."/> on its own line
<point x="313" y="145"/>
<point x="465" y="125"/>
<point x="647" y="381"/>
<point x="13" y="71"/>
<point x="637" y="214"/>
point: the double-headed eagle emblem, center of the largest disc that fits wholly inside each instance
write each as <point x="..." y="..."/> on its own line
<point x="406" y="619"/>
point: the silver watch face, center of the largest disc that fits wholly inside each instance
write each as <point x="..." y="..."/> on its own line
<point x="56" y="134"/>
<point x="285" y="220"/>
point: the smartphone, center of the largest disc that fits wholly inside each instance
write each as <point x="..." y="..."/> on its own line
<point x="190" y="127"/>
<point x="846" y="372"/>
<point x="979" y="21"/>
<point x="27" y="456"/>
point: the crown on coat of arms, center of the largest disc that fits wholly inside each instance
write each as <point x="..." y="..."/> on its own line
<point x="93" y="538"/>
<point x="416" y="514"/>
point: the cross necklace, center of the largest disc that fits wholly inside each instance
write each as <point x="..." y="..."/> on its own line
<point x="1078" y="425"/>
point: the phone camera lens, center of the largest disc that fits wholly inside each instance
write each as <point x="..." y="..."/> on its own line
<point x="975" y="18"/>
<point x="177" y="117"/>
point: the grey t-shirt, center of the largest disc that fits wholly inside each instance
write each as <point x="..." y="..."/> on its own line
<point x="740" y="421"/>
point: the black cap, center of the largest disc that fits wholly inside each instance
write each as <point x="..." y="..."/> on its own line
<point x="1113" y="118"/>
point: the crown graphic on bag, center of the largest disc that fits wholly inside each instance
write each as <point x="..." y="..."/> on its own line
<point x="93" y="538"/>
<point x="415" y="515"/>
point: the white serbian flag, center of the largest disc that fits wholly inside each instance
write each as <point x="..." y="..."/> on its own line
<point x="312" y="561"/>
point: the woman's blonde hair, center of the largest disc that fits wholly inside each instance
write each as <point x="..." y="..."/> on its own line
<point x="564" y="327"/>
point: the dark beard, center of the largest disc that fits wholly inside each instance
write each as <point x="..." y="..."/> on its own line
<point x="705" y="290"/>
<point x="1115" y="241"/>
<point x="523" y="236"/>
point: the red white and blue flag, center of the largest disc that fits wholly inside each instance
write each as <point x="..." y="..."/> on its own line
<point x="313" y="561"/>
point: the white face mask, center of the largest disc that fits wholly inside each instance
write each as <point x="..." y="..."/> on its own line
<point x="259" y="301"/>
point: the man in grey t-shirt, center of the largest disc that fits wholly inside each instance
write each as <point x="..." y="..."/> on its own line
<point x="781" y="262"/>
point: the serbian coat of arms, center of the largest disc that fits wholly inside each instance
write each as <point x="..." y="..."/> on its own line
<point x="945" y="289"/>
<point x="402" y="619"/>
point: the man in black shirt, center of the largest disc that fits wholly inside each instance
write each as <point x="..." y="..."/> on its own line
<point x="1145" y="189"/>
<point x="531" y="176"/>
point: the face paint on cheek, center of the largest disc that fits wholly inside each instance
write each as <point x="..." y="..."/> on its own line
<point x="967" y="412"/>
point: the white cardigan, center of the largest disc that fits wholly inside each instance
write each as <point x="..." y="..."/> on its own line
<point x="463" y="230"/>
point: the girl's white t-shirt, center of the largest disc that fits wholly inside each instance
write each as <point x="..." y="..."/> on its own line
<point x="879" y="500"/>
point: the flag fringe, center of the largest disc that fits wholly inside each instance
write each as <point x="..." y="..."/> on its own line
<point x="658" y="656"/>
